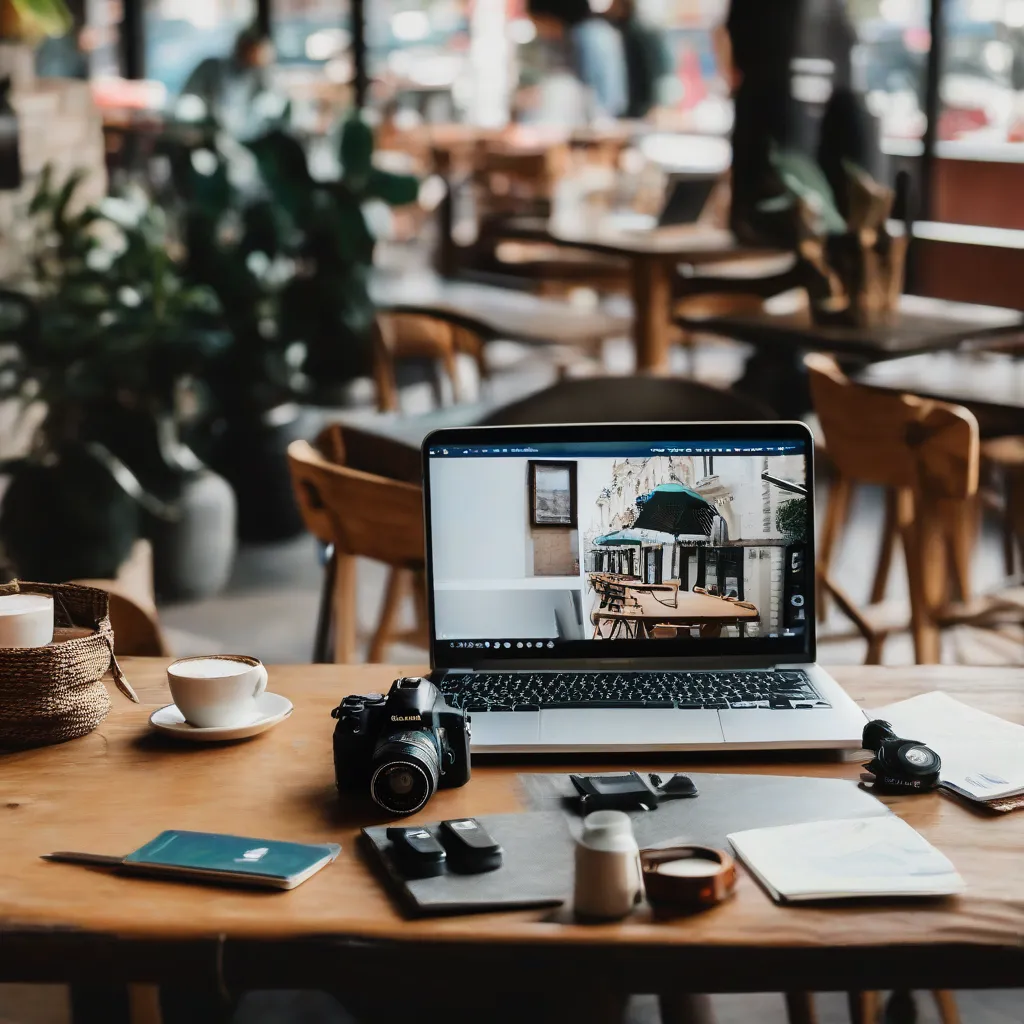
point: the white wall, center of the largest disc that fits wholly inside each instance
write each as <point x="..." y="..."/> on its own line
<point x="501" y="614"/>
<point x="479" y="516"/>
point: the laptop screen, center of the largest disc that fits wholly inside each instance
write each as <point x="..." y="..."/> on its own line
<point x="558" y="543"/>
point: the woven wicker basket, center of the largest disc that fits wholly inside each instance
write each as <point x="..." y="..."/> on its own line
<point x="52" y="694"/>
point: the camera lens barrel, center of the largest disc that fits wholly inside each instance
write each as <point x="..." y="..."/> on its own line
<point x="406" y="769"/>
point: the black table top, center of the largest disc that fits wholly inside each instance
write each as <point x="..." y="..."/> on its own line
<point x="922" y="325"/>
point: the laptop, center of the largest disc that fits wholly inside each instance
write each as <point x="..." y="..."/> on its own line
<point x="685" y="198"/>
<point x="629" y="587"/>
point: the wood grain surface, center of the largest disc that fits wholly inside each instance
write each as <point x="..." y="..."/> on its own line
<point x="113" y="790"/>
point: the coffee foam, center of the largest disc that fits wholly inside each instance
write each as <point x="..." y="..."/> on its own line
<point x="209" y="668"/>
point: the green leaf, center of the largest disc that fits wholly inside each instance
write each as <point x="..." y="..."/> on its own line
<point x="356" y="151"/>
<point x="44" y="17"/>
<point x="807" y="181"/>
<point x="393" y="189"/>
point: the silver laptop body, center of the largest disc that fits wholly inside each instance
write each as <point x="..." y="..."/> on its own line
<point x="629" y="587"/>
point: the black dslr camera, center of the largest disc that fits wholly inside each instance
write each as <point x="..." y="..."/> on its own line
<point x="403" y="746"/>
<point x="899" y="765"/>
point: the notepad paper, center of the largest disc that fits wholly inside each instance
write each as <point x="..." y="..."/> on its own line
<point x="982" y="754"/>
<point x="847" y="859"/>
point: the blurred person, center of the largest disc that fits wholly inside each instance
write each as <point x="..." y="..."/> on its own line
<point x="230" y="88"/>
<point x="790" y="67"/>
<point x="650" y="78"/>
<point x="575" y="67"/>
<point x="62" y="56"/>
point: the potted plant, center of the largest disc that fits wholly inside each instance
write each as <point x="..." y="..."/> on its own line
<point x="105" y="334"/>
<point x="289" y="258"/>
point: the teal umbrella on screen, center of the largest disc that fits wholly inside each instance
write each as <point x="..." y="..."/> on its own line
<point x="675" y="509"/>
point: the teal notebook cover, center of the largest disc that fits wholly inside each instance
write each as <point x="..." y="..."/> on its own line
<point x="238" y="859"/>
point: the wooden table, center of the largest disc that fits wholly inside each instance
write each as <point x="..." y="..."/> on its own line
<point x="990" y="384"/>
<point x="653" y="255"/>
<point x="775" y="374"/>
<point x="112" y="790"/>
<point x="689" y="610"/>
<point x="495" y="312"/>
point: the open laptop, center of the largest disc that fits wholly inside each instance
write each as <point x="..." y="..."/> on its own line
<point x="629" y="587"/>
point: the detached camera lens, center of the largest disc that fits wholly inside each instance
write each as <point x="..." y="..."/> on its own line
<point x="919" y="760"/>
<point x="405" y="773"/>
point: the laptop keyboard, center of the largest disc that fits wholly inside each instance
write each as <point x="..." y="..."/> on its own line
<point x="531" y="691"/>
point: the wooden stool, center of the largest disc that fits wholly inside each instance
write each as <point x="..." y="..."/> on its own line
<point x="360" y="514"/>
<point x="398" y="336"/>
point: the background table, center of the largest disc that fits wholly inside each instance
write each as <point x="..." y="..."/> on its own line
<point x="689" y="610"/>
<point x="653" y="255"/>
<point x="990" y="384"/>
<point x="495" y="312"/>
<point x="119" y="786"/>
<point x="923" y="325"/>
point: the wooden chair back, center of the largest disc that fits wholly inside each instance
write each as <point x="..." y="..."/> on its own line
<point x="925" y="454"/>
<point x="398" y="336"/>
<point x="360" y="513"/>
<point x="137" y="631"/>
<point x="892" y="440"/>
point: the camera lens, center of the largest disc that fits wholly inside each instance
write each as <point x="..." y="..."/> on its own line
<point x="918" y="760"/>
<point x="405" y="772"/>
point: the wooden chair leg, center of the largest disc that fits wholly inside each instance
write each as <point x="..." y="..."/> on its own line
<point x="873" y="656"/>
<point x="925" y="549"/>
<point x="384" y="377"/>
<point x="394" y="590"/>
<point x="961" y="524"/>
<point x="864" y="1007"/>
<point x="836" y="512"/>
<point x="945" y="1001"/>
<point x="800" y="1008"/>
<point x="890" y="532"/>
<point x="345" y="609"/>
<point x="451" y="366"/>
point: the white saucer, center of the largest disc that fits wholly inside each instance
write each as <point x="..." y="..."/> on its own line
<point x="272" y="708"/>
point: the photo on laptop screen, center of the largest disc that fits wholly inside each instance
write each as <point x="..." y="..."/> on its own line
<point x="571" y="547"/>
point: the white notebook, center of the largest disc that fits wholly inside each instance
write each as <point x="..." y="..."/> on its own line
<point x="982" y="754"/>
<point x="846" y="859"/>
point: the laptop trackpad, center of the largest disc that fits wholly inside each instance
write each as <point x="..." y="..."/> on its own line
<point x="629" y="728"/>
<point x="504" y="729"/>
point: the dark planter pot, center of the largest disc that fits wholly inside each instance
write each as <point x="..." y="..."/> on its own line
<point x="252" y="455"/>
<point x="193" y="554"/>
<point x="67" y="520"/>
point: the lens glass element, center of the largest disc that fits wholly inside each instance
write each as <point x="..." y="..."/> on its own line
<point x="405" y="772"/>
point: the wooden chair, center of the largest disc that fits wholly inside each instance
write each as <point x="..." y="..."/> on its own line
<point x="925" y="454"/>
<point x="401" y="336"/>
<point x="137" y="629"/>
<point x="359" y="514"/>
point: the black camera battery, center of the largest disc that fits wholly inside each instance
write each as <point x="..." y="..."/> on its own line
<point x="416" y="852"/>
<point x="471" y="850"/>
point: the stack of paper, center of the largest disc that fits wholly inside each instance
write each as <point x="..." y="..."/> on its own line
<point x="845" y="859"/>
<point x="982" y="755"/>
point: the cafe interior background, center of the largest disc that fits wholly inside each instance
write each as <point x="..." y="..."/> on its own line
<point x="181" y="300"/>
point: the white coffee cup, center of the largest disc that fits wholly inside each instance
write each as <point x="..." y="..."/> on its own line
<point x="609" y="881"/>
<point x="217" y="690"/>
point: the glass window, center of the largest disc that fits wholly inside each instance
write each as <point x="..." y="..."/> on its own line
<point x="316" y="34"/>
<point x="418" y="53"/>
<point x="982" y="85"/>
<point x="890" y="66"/>
<point x="698" y="95"/>
<point x="181" y="34"/>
